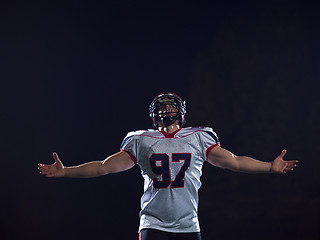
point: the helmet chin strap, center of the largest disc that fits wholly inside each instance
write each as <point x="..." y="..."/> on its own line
<point x="169" y="120"/>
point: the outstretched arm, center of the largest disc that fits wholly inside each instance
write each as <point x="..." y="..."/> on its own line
<point x="117" y="162"/>
<point x="223" y="158"/>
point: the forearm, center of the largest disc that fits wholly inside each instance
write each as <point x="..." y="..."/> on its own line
<point x="251" y="165"/>
<point x="117" y="162"/>
<point x="87" y="170"/>
<point x="225" y="159"/>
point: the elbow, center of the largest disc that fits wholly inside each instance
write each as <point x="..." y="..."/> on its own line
<point x="230" y="164"/>
<point x="235" y="164"/>
<point x="232" y="167"/>
<point x="102" y="169"/>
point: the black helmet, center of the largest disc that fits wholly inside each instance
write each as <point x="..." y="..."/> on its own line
<point x="167" y="98"/>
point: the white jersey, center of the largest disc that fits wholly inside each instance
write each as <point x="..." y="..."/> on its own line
<point x="171" y="165"/>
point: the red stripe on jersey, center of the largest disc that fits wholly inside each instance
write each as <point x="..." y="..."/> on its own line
<point x="131" y="156"/>
<point x="170" y="135"/>
<point x="209" y="149"/>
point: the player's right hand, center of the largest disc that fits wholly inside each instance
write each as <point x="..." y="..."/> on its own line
<point x="52" y="170"/>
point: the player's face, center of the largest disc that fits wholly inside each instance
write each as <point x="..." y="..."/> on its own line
<point x="168" y="110"/>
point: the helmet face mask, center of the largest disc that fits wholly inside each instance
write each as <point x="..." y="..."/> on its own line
<point x="166" y="109"/>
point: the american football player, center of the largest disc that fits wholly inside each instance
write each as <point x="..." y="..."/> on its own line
<point x="171" y="158"/>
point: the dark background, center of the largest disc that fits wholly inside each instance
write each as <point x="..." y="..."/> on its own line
<point x="76" y="77"/>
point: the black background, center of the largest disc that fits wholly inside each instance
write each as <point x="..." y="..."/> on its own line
<point x="76" y="77"/>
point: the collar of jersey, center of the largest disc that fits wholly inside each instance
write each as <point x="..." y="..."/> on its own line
<point x="170" y="135"/>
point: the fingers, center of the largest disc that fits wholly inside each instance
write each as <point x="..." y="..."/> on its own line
<point x="44" y="169"/>
<point x="284" y="151"/>
<point x="49" y="169"/>
<point x="283" y="166"/>
<point x="44" y="165"/>
<point x="56" y="158"/>
<point x="289" y="166"/>
<point x="52" y="170"/>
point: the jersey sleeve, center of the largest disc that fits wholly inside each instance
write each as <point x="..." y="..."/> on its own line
<point x="209" y="140"/>
<point x="129" y="145"/>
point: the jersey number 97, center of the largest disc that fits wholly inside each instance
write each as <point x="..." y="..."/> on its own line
<point x="160" y="165"/>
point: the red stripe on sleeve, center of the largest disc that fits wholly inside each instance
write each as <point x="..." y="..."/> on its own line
<point x="131" y="156"/>
<point x="209" y="149"/>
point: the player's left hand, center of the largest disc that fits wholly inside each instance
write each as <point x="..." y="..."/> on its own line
<point x="282" y="166"/>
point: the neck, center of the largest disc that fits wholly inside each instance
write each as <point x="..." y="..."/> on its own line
<point x="169" y="129"/>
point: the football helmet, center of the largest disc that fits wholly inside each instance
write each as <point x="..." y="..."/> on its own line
<point x="167" y="108"/>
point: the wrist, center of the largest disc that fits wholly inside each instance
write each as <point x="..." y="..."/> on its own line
<point x="65" y="172"/>
<point x="271" y="165"/>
